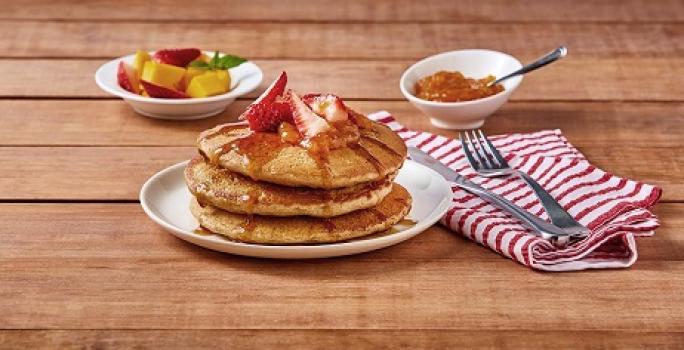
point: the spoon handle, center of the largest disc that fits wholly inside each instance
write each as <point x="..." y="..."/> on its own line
<point x="541" y="62"/>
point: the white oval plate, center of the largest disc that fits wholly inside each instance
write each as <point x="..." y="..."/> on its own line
<point x="165" y="199"/>
<point x="244" y="79"/>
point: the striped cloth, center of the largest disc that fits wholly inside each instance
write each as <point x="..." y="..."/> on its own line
<point x="615" y="209"/>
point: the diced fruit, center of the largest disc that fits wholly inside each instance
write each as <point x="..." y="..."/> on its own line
<point x="162" y="74"/>
<point x="159" y="91"/>
<point x="308" y="123"/>
<point x="127" y="77"/>
<point x="177" y="57"/>
<point x="260" y="114"/>
<point x="224" y="76"/>
<point x="204" y="58"/>
<point x="139" y="61"/>
<point x="190" y="73"/>
<point x="327" y="105"/>
<point x="204" y="85"/>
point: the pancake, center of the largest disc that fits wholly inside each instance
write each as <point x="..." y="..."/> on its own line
<point x="304" y="229"/>
<point x="265" y="157"/>
<point x="239" y="194"/>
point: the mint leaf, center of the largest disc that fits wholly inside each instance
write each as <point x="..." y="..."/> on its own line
<point x="230" y="61"/>
<point x="199" y="64"/>
<point x="214" y="60"/>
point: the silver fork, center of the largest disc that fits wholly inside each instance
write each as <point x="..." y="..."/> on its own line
<point x="486" y="160"/>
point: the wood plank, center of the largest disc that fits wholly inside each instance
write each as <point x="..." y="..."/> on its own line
<point x="348" y="339"/>
<point x="85" y="266"/>
<point x="122" y="230"/>
<point x="354" y="10"/>
<point x="575" y="78"/>
<point x="338" y="40"/>
<point x="117" y="173"/>
<point x="113" y="123"/>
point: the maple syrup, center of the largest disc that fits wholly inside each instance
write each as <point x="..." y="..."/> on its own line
<point x="248" y="225"/>
<point x="201" y="231"/>
<point x="363" y="152"/>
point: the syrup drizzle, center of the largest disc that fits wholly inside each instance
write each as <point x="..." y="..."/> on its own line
<point x="202" y="231"/>
<point x="248" y="225"/>
<point x="223" y="130"/>
<point x="382" y="145"/>
<point x="363" y="152"/>
<point x="378" y="214"/>
<point x="256" y="148"/>
<point x="251" y="199"/>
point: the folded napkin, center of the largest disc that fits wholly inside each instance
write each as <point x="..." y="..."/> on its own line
<point x="614" y="208"/>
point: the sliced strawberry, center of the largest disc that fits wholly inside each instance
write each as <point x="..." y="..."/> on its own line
<point x="328" y="106"/>
<point x="177" y="57"/>
<point x="159" y="91"/>
<point x="308" y="123"/>
<point x="127" y="77"/>
<point x="269" y="110"/>
<point x="281" y="106"/>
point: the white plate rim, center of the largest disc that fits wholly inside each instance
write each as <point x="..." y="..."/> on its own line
<point x="363" y="245"/>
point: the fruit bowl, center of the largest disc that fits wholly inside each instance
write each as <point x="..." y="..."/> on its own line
<point x="244" y="79"/>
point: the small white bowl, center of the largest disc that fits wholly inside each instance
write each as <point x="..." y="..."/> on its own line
<point x="474" y="64"/>
<point x="243" y="80"/>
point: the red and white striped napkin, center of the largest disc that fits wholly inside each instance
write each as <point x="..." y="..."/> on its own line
<point x="614" y="208"/>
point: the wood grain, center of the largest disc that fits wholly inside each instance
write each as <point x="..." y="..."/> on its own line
<point x="328" y="339"/>
<point x="102" y="275"/>
<point x="114" y="123"/>
<point x="354" y="10"/>
<point x="575" y="78"/>
<point x="108" y="266"/>
<point x="334" y="40"/>
<point x="117" y="173"/>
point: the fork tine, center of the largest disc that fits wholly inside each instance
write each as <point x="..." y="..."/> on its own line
<point x="479" y="151"/>
<point x="467" y="152"/>
<point x="499" y="158"/>
<point x="483" y="151"/>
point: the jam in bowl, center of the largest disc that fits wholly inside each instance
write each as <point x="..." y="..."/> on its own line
<point x="451" y="88"/>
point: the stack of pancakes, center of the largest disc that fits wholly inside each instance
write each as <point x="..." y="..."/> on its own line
<point x="253" y="187"/>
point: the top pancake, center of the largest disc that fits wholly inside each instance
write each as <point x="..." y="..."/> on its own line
<point x="264" y="156"/>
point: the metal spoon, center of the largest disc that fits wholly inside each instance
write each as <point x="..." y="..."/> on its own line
<point x="541" y="62"/>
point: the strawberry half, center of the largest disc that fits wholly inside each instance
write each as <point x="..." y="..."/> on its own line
<point x="269" y="110"/>
<point x="328" y="106"/>
<point x="308" y="123"/>
<point x="127" y="77"/>
<point x="159" y="91"/>
<point x="177" y="57"/>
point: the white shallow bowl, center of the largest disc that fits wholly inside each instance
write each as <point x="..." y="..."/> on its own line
<point x="165" y="199"/>
<point x="473" y="64"/>
<point x="244" y="79"/>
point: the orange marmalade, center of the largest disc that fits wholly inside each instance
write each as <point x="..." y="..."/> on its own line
<point x="446" y="86"/>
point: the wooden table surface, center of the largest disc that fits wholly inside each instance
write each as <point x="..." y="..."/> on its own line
<point x="81" y="266"/>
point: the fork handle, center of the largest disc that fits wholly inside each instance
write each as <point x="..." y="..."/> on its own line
<point x="539" y="227"/>
<point x="556" y="212"/>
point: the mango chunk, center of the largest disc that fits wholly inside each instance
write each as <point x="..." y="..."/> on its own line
<point x="224" y="76"/>
<point x="204" y="85"/>
<point x="162" y="74"/>
<point x="139" y="61"/>
<point x="192" y="72"/>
